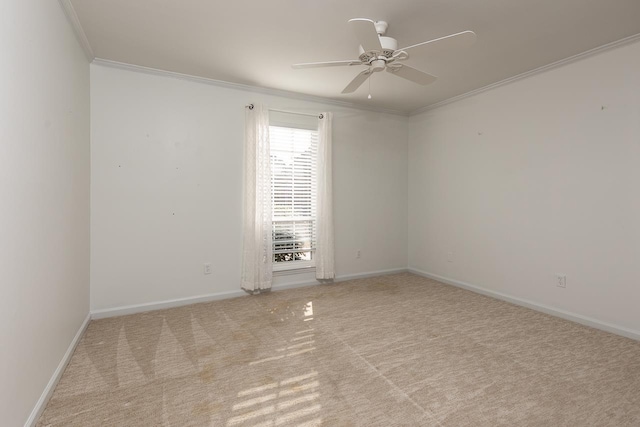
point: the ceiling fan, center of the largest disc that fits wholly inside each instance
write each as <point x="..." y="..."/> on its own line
<point x="379" y="52"/>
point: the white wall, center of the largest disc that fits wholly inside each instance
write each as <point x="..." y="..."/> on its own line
<point x="536" y="178"/>
<point x="166" y="158"/>
<point x="44" y="199"/>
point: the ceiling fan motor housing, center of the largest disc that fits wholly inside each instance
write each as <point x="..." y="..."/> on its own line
<point x="389" y="45"/>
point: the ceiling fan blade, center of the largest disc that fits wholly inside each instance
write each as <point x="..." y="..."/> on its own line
<point x="454" y="41"/>
<point x="412" y="74"/>
<point x="365" y="32"/>
<point x="357" y="81"/>
<point x="326" y="64"/>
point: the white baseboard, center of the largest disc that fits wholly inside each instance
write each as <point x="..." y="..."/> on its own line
<point x="346" y="277"/>
<point x="57" y="374"/>
<point x="342" y="278"/>
<point x="159" y="305"/>
<point x="578" y="318"/>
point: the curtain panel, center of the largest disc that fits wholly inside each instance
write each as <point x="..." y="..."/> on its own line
<point x="257" y="254"/>
<point x="325" y="269"/>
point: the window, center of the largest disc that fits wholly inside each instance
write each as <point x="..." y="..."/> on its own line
<point x="294" y="153"/>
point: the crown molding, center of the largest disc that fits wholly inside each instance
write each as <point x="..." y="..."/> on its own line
<point x="72" y="16"/>
<point x="243" y="87"/>
<point x="535" y="71"/>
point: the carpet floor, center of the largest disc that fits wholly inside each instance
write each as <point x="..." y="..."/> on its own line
<point x="397" y="350"/>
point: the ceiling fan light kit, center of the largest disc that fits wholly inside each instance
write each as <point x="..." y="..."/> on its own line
<point x="379" y="52"/>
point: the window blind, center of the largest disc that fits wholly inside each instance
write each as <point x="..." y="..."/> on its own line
<point x="294" y="153"/>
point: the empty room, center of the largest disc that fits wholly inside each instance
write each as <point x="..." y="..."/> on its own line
<point x="333" y="213"/>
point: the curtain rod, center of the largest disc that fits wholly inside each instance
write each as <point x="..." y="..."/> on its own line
<point x="320" y="116"/>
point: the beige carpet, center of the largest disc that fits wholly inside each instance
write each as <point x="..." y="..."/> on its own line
<point x="388" y="351"/>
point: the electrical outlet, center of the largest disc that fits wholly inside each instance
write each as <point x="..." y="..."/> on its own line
<point x="561" y="280"/>
<point x="207" y="268"/>
<point x="358" y="253"/>
<point x="450" y="256"/>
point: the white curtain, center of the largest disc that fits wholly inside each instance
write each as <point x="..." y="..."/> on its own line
<point x="257" y="257"/>
<point x="324" y="247"/>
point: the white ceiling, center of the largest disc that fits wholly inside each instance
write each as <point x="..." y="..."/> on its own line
<point x="254" y="42"/>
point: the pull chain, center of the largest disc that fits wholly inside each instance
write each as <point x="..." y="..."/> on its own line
<point x="370" y="76"/>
